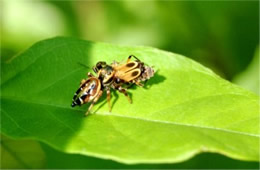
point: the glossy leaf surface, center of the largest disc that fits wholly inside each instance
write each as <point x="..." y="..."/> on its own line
<point x="183" y="110"/>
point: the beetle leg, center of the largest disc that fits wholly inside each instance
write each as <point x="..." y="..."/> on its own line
<point x="124" y="91"/>
<point x="93" y="102"/>
<point x="108" y="99"/>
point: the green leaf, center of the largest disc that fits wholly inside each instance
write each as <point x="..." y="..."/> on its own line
<point x="249" y="79"/>
<point x="21" y="154"/>
<point x="61" y="160"/>
<point x="185" y="108"/>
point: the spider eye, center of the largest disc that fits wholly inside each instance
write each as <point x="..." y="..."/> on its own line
<point x="98" y="66"/>
<point x="101" y="64"/>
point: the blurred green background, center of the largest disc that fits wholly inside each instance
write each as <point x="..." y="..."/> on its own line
<point x="222" y="35"/>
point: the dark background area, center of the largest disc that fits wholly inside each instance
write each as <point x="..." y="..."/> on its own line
<point x="221" y="35"/>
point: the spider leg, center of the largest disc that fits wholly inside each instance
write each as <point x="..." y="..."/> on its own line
<point x="90" y="74"/>
<point x="124" y="91"/>
<point x="114" y="64"/>
<point x="129" y="58"/>
<point x="108" y="99"/>
<point x="82" y="81"/>
<point x="93" y="102"/>
<point x="139" y="84"/>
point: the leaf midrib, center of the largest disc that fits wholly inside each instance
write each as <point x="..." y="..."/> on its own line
<point x="139" y="118"/>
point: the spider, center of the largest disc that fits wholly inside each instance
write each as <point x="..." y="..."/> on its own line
<point x="110" y="76"/>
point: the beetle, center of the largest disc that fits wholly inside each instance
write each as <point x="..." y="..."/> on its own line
<point x="114" y="76"/>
